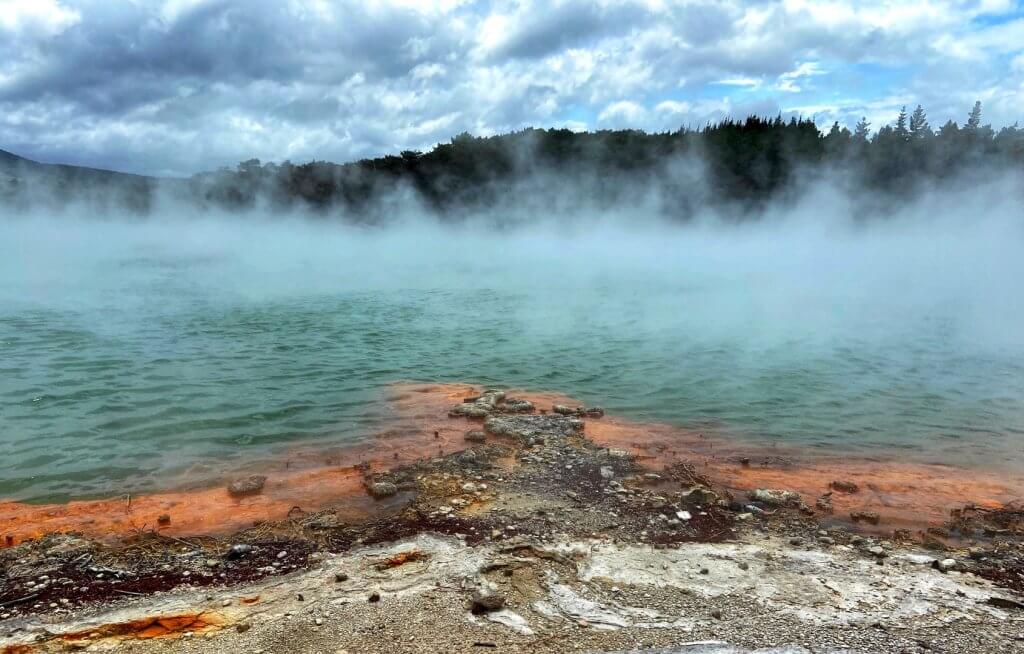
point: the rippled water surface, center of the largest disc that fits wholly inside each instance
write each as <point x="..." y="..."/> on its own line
<point x="130" y="356"/>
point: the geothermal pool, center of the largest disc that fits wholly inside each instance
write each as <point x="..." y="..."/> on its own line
<point x="135" y="357"/>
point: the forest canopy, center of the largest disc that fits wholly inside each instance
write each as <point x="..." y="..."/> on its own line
<point x="734" y="166"/>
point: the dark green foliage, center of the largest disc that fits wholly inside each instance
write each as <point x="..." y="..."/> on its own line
<point x="734" y="167"/>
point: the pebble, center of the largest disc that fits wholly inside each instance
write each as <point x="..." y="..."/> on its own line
<point x="775" y="497"/>
<point x="869" y="517"/>
<point x="239" y="551"/>
<point x="247" y="486"/>
<point x="383" y="489"/>
<point x="945" y="565"/>
<point x="475" y="436"/>
<point x="844" y="486"/>
<point x="486" y="602"/>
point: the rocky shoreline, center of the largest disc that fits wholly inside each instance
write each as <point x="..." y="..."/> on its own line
<point x="531" y="537"/>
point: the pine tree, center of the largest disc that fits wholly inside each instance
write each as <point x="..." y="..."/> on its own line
<point x="901" y="123"/>
<point x="974" y="120"/>
<point x="919" y="127"/>
<point x="862" y="129"/>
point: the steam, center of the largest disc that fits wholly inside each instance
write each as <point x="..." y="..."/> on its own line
<point x="809" y="269"/>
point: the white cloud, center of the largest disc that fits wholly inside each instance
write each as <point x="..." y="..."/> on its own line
<point x="624" y="113"/>
<point x="182" y="85"/>
<point x="749" y="82"/>
<point x="37" y="17"/>
<point x="788" y="80"/>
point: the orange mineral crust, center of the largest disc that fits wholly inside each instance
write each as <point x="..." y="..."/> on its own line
<point x="302" y="480"/>
<point x="905" y="494"/>
<point x="417" y="426"/>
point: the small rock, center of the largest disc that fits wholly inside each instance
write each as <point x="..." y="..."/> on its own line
<point x="869" y="517"/>
<point x="1003" y="603"/>
<point x="373" y="598"/>
<point x="716" y="614"/>
<point x="318" y="622"/>
<point x="467" y="456"/>
<point x="607" y="472"/>
<point x="844" y="486"/>
<point x="473" y="410"/>
<point x="381" y="489"/>
<point x="163" y="520"/>
<point x="698" y="495"/>
<point x="239" y="551"/>
<point x="515" y="405"/>
<point x="743" y="565"/>
<point x="775" y="497"/>
<point x="250" y="485"/>
<point x="945" y="565"/>
<point x="282" y="554"/>
<point x="877" y="551"/>
<point x="243" y="627"/>
<point x="476" y="436"/>
<point x="339" y="577"/>
<point x="683" y="515"/>
<point x="482" y="603"/>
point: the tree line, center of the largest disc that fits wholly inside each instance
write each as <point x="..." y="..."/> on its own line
<point x="742" y="165"/>
<point x="738" y="166"/>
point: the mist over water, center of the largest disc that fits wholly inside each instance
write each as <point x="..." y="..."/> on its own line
<point x="134" y="353"/>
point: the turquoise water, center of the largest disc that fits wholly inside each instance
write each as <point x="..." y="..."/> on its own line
<point x="132" y="356"/>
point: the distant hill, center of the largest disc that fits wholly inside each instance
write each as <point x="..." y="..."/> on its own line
<point x="9" y="159"/>
<point x="30" y="183"/>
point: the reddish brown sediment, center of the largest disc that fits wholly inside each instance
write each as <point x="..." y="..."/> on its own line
<point x="904" y="494"/>
<point x="168" y="626"/>
<point x="149" y="628"/>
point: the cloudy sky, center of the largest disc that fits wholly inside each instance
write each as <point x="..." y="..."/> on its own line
<point x="171" y="87"/>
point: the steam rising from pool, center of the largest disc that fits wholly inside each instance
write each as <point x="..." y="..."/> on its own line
<point x="133" y="353"/>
